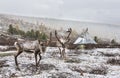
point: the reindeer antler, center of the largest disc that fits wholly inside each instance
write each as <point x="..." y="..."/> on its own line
<point x="68" y="39"/>
<point x="50" y="39"/>
<point x="69" y="30"/>
<point x="58" y="38"/>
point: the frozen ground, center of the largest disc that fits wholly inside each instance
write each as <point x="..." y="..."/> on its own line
<point x="93" y="64"/>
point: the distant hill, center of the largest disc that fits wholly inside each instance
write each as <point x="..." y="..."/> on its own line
<point x="95" y="29"/>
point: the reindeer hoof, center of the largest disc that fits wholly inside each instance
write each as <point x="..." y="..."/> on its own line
<point x="17" y="68"/>
<point x="81" y="74"/>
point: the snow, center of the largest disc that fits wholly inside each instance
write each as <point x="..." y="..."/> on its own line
<point x="4" y="47"/>
<point x="52" y="66"/>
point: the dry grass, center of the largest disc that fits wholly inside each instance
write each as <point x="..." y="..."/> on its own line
<point x="72" y="60"/>
<point x="2" y="54"/>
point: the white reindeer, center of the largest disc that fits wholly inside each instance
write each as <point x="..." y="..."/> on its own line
<point x="36" y="47"/>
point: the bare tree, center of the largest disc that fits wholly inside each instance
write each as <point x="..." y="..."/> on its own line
<point x="63" y="43"/>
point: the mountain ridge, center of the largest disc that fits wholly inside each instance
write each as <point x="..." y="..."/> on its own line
<point x="73" y="20"/>
<point x="95" y="29"/>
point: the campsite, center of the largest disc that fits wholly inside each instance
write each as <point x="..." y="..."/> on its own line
<point x="59" y="39"/>
<point x="84" y="58"/>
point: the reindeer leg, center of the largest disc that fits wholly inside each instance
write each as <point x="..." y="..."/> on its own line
<point x="19" y="52"/>
<point x="63" y="54"/>
<point x="40" y="57"/>
<point x="60" y="52"/>
<point x="36" y="59"/>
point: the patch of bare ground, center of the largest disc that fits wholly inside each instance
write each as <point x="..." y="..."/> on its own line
<point x="61" y="75"/>
<point x="77" y="52"/>
<point x="3" y="63"/>
<point x="77" y="69"/>
<point x="113" y="61"/>
<point x="30" y="69"/>
<point x="109" y="54"/>
<point x="101" y="70"/>
<point x="72" y="60"/>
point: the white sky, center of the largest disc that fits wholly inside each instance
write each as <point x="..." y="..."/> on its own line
<point x="105" y="11"/>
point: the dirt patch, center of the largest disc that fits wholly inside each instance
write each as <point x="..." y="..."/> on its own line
<point x="102" y="70"/>
<point x="73" y="60"/>
<point x="30" y="69"/>
<point x="3" y="63"/>
<point x="61" y="75"/>
<point x="109" y="54"/>
<point x="114" y="61"/>
<point x="46" y="66"/>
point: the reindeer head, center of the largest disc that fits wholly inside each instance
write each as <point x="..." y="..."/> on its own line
<point x="45" y="44"/>
<point x="66" y="40"/>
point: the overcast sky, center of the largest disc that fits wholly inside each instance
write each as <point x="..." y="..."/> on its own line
<point x="106" y="11"/>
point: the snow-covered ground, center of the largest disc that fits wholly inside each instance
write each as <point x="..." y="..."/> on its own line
<point x="93" y="64"/>
<point x="3" y="47"/>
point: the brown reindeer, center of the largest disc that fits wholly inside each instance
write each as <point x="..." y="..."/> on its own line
<point x="63" y="42"/>
<point x="37" y="47"/>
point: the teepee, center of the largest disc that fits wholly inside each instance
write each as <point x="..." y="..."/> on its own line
<point x="85" y="38"/>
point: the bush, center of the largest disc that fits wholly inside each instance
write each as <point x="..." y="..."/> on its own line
<point x="109" y="53"/>
<point x="96" y="39"/>
<point x="15" y="31"/>
<point x="113" y="42"/>
<point x="29" y="34"/>
<point x="10" y="30"/>
<point x="77" y="69"/>
<point x="102" y="70"/>
<point x="3" y="63"/>
<point x="114" y="61"/>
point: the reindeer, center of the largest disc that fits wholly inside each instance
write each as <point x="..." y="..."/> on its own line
<point x="64" y="42"/>
<point x="37" y="47"/>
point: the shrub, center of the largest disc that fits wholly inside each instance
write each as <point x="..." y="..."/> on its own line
<point x="114" y="61"/>
<point x="102" y="70"/>
<point x="2" y="63"/>
<point x="77" y="69"/>
<point x="29" y="34"/>
<point x="109" y="54"/>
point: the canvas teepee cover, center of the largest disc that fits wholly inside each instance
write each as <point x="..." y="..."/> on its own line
<point x="85" y="38"/>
